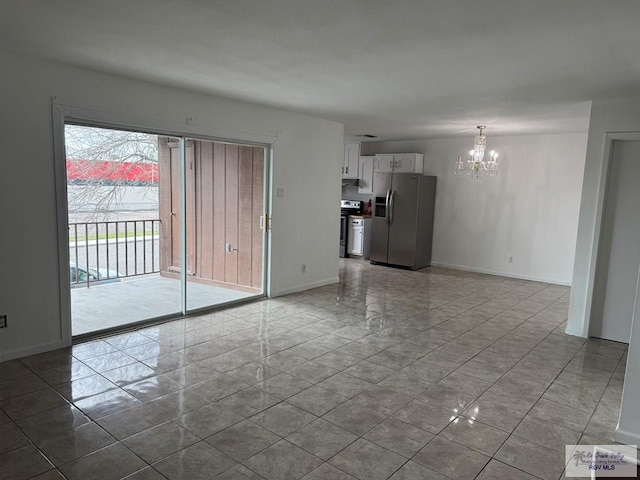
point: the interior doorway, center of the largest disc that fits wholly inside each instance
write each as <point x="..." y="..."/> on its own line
<point x="619" y="248"/>
<point x="160" y="226"/>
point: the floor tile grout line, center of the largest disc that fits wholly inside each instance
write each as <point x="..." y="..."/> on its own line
<point x="32" y="443"/>
<point x="528" y="411"/>
<point x="447" y="341"/>
<point x="506" y="464"/>
<point x="495" y="382"/>
<point x="602" y="395"/>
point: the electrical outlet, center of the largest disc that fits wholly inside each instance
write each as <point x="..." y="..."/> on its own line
<point x="304" y="268"/>
<point x="280" y="192"/>
<point x="510" y="259"/>
<point x="3" y="321"/>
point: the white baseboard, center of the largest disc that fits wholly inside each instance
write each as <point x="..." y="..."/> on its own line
<point x="531" y="278"/>
<point x="575" y="333"/>
<point x="32" y="350"/>
<point x="626" y="437"/>
<point x="306" y="286"/>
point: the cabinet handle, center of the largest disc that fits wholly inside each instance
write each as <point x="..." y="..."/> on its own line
<point x="342" y="170"/>
<point x="347" y="169"/>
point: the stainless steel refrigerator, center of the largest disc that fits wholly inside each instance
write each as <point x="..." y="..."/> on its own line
<point x="402" y="226"/>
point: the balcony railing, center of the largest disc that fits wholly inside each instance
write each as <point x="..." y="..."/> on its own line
<point x="112" y="250"/>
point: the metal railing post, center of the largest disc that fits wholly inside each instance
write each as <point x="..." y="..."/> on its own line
<point x="91" y="228"/>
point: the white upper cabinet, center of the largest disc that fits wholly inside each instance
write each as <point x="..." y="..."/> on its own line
<point x="351" y="160"/>
<point x="367" y="166"/>
<point x="384" y="163"/>
<point x="400" y="162"/>
<point x="408" y="163"/>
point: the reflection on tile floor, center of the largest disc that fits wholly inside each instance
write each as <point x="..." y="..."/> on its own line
<point x="394" y="374"/>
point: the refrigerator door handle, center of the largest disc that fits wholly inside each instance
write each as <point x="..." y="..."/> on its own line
<point x="391" y="206"/>
<point x="386" y="207"/>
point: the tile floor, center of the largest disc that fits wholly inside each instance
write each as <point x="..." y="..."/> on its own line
<point x="437" y="374"/>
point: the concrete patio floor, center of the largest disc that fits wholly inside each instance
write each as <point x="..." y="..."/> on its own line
<point x="133" y="300"/>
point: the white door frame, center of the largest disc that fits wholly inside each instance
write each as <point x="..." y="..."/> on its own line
<point x="602" y="194"/>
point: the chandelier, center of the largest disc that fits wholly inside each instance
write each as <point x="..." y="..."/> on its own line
<point x="476" y="166"/>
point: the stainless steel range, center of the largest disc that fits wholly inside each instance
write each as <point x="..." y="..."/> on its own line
<point x="347" y="207"/>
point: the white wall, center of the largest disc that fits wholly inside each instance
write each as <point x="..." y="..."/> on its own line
<point x="307" y="155"/>
<point x="609" y="118"/>
<point x="529" y="212"/>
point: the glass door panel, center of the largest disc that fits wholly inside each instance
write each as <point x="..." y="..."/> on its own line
<point x="117" y="228"/>
<point x="225" y="238"/>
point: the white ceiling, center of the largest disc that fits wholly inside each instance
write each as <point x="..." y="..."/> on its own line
<point x="394" y="68"/>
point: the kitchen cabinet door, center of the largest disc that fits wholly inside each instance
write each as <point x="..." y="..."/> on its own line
<point x="351" y="159"/>
<point x="384" y="163"/>
<point x="367" y="166"/>
<point x="408" y="163"/>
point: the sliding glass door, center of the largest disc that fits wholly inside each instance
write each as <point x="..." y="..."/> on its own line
<point x="224" y="234"/>
<point x="223" y="213"/>
<point x="160" y="226"/>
